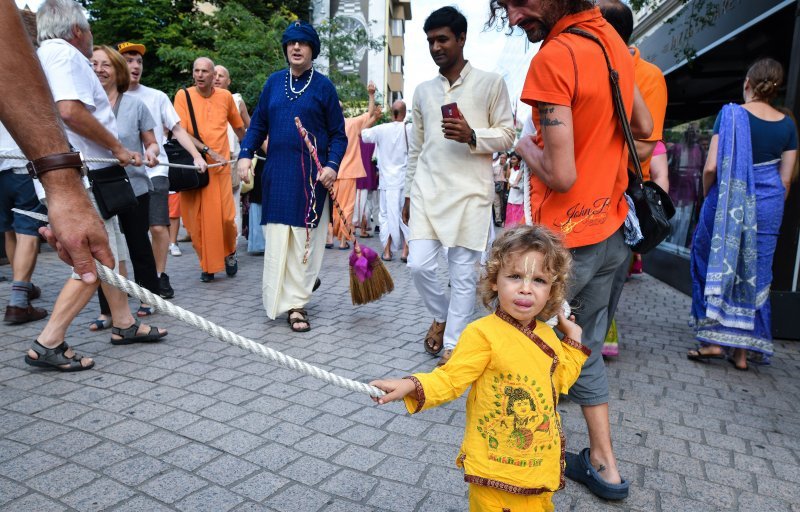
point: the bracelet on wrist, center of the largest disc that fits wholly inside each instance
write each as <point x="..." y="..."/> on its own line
<point x="69" y="160"/>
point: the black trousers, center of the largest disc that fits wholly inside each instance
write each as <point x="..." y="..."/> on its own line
<point x="135" y="224"/>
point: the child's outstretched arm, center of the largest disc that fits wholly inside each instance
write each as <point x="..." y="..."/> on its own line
<point x="396" y="389"/>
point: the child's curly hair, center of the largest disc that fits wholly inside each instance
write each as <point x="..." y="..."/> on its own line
<point x="519" y="239"/>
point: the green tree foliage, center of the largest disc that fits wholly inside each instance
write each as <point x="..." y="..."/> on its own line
<point x="343" y="45"/>
<point x="266" y="9"/>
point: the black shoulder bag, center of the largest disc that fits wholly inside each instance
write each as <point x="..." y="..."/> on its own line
<point x="653" y="206"/>
<point x="111" y="186"/>
<point x="180" y="178"/>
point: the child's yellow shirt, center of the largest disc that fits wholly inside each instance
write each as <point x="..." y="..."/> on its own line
<point x="513" y="439"/>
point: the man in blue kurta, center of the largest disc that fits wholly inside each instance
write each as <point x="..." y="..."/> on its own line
<point x="294" y="196"/>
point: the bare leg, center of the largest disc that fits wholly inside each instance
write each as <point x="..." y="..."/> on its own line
<point x="387" y="250"/>
<point x="174" y="227"/>
<point x="11" y="245"/>
<point x="23" y="256"/>
<point x="161" y="236"/>
<point x="73" y="297"/>
<point x="601" y="454"/>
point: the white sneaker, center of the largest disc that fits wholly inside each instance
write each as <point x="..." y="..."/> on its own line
<point x="175" y="250"/>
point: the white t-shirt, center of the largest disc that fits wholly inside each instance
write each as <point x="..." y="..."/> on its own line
<point x="164" y="115"/>
<point x="8" y="145"/>
<point x="70" y="76"/>
<point x="391" y="148"/>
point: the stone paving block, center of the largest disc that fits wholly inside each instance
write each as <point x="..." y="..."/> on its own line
<point x="159" y="442"/>
<point x="126" y="431"/>
<point x="443" y="502"/>
<point x="238" y="442"/>
<point x="35" y="433"/>
<point x="141" y="503"/>
<point x="10" y="491"/>
<point x="445" y="434"/>
<point x="103" y="455"/>
<point x="175" y="420"/>
<point x="192" y="402"/>
<point x="210" y="499"/>
<point x="28" y="465"/>
<point x="37" y="503"/>
<point x="205" y="430"/>
<point x="172" y="486"/>
<point x="254" y="422"/>
<point x="266" y="404"/>
<point x="11" y="421"/>
<point x="340" y="407"/>
<point x="117" y="403"/>
<point x="273" y="456"/>
<point x="401" y="469"/>
<point x="309" y="398"/>
<point x="32" y="405"/>
<point x="136" y="470"/>
<point x="680" y="464"/>
<point x="297" y="414"/>
<point x="321" y="445"/>
<point x="328" y="424"/>
<point x="62" y="480"/>
<point x="751" y="502"/>
<point x="147" y="410"/>
<point x="667" y="443"/>
<point x="349" y="484"/>
<point x="191" y="456"/>
<point x="309" y="470"/>
<point x="226" y="470"/>
<point x="720" y="495"/>
<point x="396" y="497"/>
<point x="359" y="458"/>
<point x="287" y="434"/>
<point x="402" y="446"/>
<point x="298" y="497"/>
<point x="362" y="435"/>
<point x="10" y="449"/>
<point x="261" y="486"/>
<point x="444" y="480"/>
<point x="752" y="464"/>
<point x="223" y="412"/>
<point x="236" y="395"/>
<point x="680" y="503"/>
<point x="101" y="494"/>
<point x="787" y="491"/>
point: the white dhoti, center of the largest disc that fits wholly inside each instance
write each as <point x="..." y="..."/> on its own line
<point x="363" y="207"/>
<point x="391" y="207"/>
<point x="458" y="309"/>
<point x="287" y="281"/>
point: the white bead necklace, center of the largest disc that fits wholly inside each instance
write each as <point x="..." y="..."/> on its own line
<point x="290" y="85"/>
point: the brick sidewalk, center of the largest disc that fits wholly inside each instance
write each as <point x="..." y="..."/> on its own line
<point x="193" y="424"/>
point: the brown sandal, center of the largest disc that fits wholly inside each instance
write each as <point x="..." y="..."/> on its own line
<point x="434" y="340"/>
<point x="302" y="319"/>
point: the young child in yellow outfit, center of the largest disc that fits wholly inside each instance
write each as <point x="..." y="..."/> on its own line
<point x="513" y="448"/>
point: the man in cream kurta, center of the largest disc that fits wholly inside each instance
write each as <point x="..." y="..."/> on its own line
<point x="449" y="184"/>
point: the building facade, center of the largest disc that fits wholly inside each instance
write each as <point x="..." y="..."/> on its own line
<point x="704" y="48"/>
<point x="382" y="20"/>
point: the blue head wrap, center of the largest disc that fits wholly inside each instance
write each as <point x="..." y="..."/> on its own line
<point x="301" y="31"/>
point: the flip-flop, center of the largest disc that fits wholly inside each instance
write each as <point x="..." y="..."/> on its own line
<point x="696" y="355"/>
<point x="384" y="258"/>
<point x="346" y="246"/>
<point x="329" y="246"/>
<point x="365" y="235"/>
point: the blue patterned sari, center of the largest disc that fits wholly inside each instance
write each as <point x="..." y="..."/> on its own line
<point x="734" y="243"/>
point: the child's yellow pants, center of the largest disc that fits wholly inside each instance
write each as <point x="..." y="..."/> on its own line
<point x="487" y="499"/>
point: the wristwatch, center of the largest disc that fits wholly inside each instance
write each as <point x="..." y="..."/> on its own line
<point x="204" y="151"/>
<point x="473" y="141"/>
<point x="40" y="166"/>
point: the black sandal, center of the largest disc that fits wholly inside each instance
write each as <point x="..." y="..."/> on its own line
<point x="129" y="334"/>
<point x="55" y="358"/>
<point x="302" y="319"/>
<point x="696" y="355"/>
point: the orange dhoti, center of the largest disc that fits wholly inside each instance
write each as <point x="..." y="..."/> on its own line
<point x="208" y="214"/>
<point x="345" y="191"/>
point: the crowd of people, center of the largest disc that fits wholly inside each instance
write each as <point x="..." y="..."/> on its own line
<point x="436" y="184"/>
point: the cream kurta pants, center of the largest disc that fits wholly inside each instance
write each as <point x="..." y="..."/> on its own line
<point x="458" y="309"/>
<point x="287" y="282"/>
<point x="391" y="218"/>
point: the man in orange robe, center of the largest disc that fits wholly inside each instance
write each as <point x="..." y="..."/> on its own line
<point x="352" y="168"/>
<point x="208" y="213"/>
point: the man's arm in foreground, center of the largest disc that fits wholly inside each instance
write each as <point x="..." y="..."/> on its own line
<point x="76" y="230"/>
<point x="555" y="164"/>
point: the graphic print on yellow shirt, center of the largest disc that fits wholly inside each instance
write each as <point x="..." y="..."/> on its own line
<point x="522" y="423"/>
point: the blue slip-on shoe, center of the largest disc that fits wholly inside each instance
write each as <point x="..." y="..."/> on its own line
<point x="580" y="469"/>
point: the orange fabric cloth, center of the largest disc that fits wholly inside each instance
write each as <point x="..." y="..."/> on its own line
<point x="174" y="205"/>
<point x="570" y="70"/>
<point x="352" y="168"/>
<point x="653" y="87"/>
<point x="345" y="193"/>
<point x="208" y="213"/>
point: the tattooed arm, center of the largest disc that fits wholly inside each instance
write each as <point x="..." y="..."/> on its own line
<point x="555" y="164"/>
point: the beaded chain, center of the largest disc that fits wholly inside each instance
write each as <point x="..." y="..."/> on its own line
<point x="290" y="86"/>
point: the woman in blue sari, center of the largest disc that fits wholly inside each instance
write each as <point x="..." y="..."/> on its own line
<point x="745" y="180"/>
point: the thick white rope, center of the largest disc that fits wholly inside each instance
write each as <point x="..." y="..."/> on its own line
<point x="159" y="304"/>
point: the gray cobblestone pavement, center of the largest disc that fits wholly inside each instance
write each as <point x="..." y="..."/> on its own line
<point x="193" y="424"/>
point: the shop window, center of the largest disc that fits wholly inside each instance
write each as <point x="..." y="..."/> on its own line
<point x="687" y="148"/>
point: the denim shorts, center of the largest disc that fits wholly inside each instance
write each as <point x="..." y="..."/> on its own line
<point x="16" y="191"/>
<point x="159" y="201"/>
